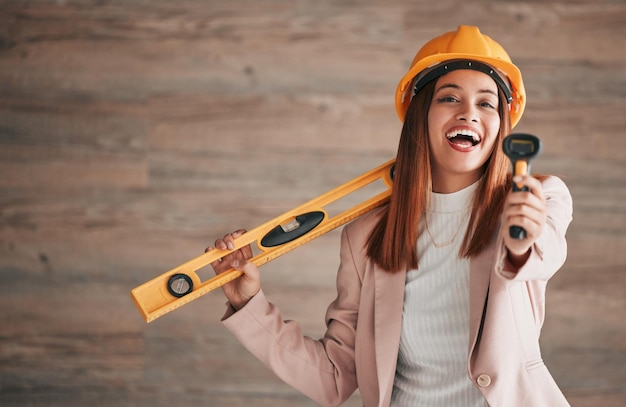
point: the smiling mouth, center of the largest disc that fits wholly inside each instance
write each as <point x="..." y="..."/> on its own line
<point x="463" y="138"/>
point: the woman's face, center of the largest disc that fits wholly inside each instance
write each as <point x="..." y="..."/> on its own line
<point x="463" y="123"/>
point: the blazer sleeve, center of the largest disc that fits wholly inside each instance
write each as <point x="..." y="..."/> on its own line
<point x="550" y="250"/>
<point x="324" y="369"/>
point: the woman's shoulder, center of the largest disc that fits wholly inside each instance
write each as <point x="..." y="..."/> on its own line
<point x="558" y="200"/>
<point x="358" y="230"/>
<point x="354" y="238"/>
<point x="553" y="181"/>
<point x="366" y="222"/>
<point x="555" y="187"/>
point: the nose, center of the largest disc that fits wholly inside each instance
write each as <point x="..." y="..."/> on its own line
<point x="467" y="112"/>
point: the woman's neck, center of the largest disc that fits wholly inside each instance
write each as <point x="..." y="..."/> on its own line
<point x="448" y="183"/>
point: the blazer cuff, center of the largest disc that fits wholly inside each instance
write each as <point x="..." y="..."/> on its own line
<point x="258" y="299"/>
<point x="524" y="272"/>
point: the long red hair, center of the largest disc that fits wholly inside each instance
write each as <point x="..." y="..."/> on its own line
<point x="392" y="244"/>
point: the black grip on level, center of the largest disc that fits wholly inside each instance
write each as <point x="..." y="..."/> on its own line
<point x="307" y="222"/>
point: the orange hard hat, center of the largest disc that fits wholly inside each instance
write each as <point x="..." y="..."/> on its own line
<point x="465" y="48"/>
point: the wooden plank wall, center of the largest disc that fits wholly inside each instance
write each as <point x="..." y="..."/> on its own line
<point x="133" y="133"/>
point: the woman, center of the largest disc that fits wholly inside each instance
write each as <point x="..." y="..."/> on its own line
<point x="436" y="304"/>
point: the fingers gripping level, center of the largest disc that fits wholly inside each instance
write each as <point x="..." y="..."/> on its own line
<point x="274" y="238"/>
<point x="521" y="149"/>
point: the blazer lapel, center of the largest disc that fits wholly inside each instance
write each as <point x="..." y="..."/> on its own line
<point x="481" y="267"/>
<point x="388" y="304"/>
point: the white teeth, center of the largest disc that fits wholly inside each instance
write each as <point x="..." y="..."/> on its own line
<point x="464" y="132"/>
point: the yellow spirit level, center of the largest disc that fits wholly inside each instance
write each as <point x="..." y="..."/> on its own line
<point x="274" y="238"/>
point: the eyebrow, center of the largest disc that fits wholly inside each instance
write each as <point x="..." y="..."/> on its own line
<point x="455" y="86"/>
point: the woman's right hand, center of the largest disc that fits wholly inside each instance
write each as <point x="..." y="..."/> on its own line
<point x="242" y="289"/>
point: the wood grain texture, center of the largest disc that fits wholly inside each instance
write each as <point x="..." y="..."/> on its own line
<point x="134" y="133"/>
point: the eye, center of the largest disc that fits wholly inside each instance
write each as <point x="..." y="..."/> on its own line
<point x="447" y="99"/>
<point x="488" y="104"/>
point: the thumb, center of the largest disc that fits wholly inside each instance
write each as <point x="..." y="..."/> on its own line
<point x="251" y="273"/>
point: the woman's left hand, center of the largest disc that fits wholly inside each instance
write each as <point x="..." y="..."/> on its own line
<point x="526" y="209"/>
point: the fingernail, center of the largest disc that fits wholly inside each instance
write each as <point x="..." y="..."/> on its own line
<point x="230" y="245"/>
<point x="236" y="234"/>
<point x="235" y="263"/>
<point x="517" y="178"/>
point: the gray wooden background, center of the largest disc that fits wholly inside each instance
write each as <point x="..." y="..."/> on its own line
<point x="133" y="133"/>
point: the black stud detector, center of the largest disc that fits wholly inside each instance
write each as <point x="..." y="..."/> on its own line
<point x="521" y="149"/>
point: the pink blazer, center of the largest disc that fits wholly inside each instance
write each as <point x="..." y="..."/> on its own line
<point x="360" y="346"/>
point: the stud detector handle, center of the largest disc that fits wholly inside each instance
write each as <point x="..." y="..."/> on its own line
<point x="521" y="149"/>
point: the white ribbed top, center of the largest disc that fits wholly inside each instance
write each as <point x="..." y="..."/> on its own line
<point x="432" y="360"/>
